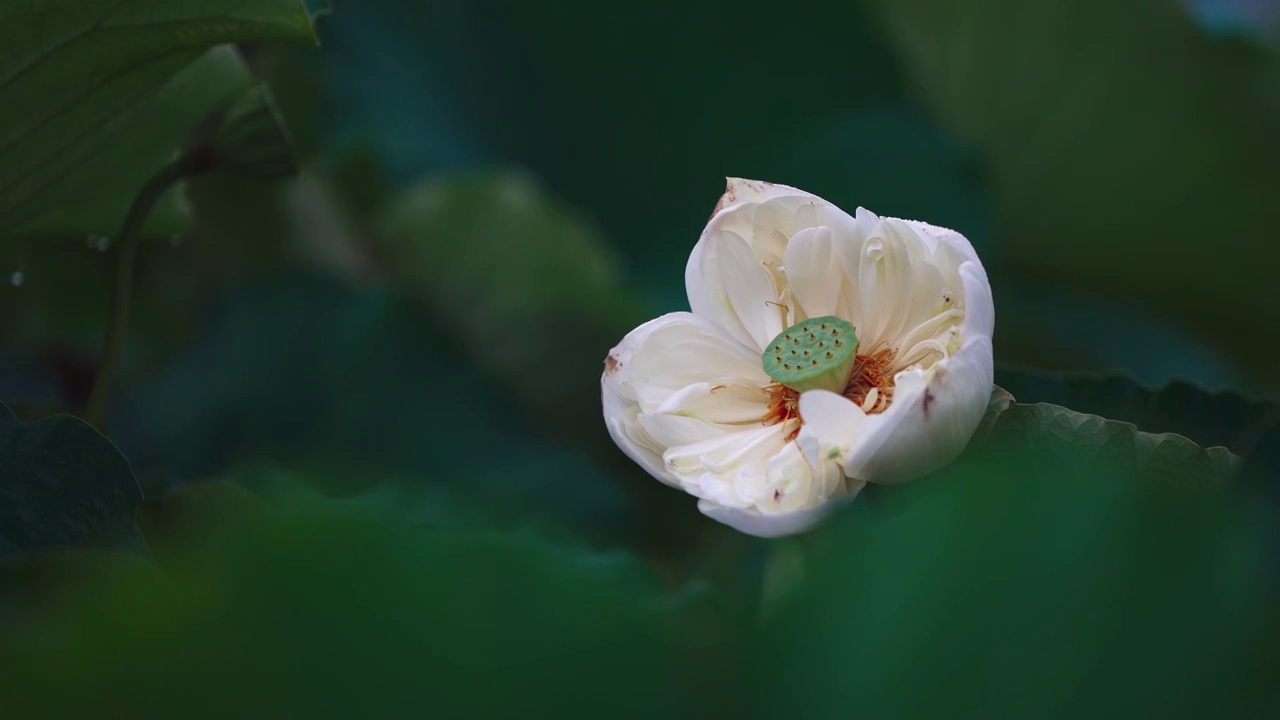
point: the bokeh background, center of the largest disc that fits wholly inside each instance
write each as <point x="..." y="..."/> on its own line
<point x="363" y="402"/>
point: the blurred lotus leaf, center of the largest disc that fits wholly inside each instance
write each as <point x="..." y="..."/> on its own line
<point x="1014" y="430"/>
<point x="1129" y="153"/>
<point x="529" y="292"/>
<point x="63" y="484"/>
<point x="329" y="610"/>
<point x="107" y="91"/>
<point x="1005" y="588"/>
<point x="1208" y="418"/>
<point x="302" y="371"/>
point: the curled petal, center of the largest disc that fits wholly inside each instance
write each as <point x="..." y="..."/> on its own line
<point x="980" y="310"/>
<point x="687" y="350"/>
<point x="831" y="424"/>
<point x="791" y="483"/>
<point x="980" y="317"/>
<point x="723" y="460"/>
<point x="728" y="285"/>
<point x="622" y="405"/>
<point x="740" y="191"/>
<point x="774" y="526"/>
<point x="657" y="382"/>
<point x="816" y="278"/>
<point x="734" y="276"/>
<point x="933" y="415"/>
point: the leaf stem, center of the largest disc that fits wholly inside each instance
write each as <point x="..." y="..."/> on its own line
<point x="126" y="260"/>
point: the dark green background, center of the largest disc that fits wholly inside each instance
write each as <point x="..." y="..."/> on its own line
<point x="363" y="406"/>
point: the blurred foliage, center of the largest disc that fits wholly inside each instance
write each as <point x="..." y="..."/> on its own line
<point x="1059" y="328"/>
<point x="107" y="90"/>
<point x="1124" y="154"/>
<point x="537" y="310"/>
<point x="640" y="134"/>
<point x="1024" y="589"/>
<point x="622" y="110"/>
<point x="1107" y="445"/>
<point x="1257" y="20"/>
<point x="241" y="230"/>
<point x="354" y="379"/>
<point x="1208" y="418"/>
<point x="325" y="610"/>
<point x="1013" y="588"/>
<point x="1258" y="474"/>
<point x="364" y="403"/>
<point x="63" y="484"/>
<point x="74" y="203"/>
<point x="252" y="139"/>
<point x="532" y="317"/>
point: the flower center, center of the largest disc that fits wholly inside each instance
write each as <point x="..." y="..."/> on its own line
<point x="784" y="405"/>
<point x="816" y="354"/>
<point x="868" y="383"/>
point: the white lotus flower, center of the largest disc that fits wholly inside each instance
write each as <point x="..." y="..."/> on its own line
<point x="762" y="403"/>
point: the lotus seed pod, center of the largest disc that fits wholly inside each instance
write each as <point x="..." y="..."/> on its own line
<point x="253" y="139"/>
<point x="817" y="354"/>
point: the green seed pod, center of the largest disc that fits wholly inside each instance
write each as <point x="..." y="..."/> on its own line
<point x="817" y="354"/>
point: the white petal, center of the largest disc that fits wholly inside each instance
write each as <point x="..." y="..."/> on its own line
<point x="662" y="430"/>
<point x="933" y="415"/>
<point x="848" y="247"/>
<point x="731" y="470"/>
<point x="726" y="404"/>
<point x="929" y="339"/>
<point x="935" y="297"/>
<point x="829" y="480"/>
<point x="734" y="275"/>
<point x="885" y="285"/>
<point x="753" y="522"/>
<point x="713" y="488"/>
<point x="621" y="402"/>
<point x="729" y="286"/>
<point x="936" y="236"/>
<point x="739" y="191"/>
<point x="656" y="364"/>
<point x="831" y="426"/>
<point x="979" y="308"/>
<point x="684" y="350"/>
<point x="724" y="456"/>
<point x="813" y="273"/>
<point x="790" y="483"/>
